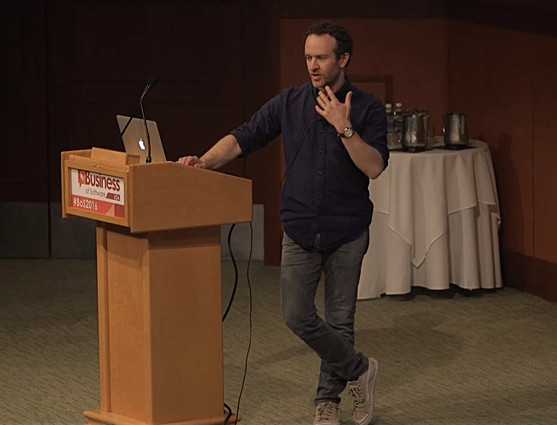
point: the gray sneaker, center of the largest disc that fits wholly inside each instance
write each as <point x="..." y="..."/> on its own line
<point x="326" y="413"/>
<point x="362" y="390"/>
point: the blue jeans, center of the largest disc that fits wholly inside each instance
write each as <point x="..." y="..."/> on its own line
<point x="331" y="336"/>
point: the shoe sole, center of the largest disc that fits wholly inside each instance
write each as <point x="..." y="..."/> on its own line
<point x="367" y="420"/>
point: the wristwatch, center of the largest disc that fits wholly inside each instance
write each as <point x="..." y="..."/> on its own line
<point x="347" y="133"/>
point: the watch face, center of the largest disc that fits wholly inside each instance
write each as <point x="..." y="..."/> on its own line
<point x="348" y="132"/>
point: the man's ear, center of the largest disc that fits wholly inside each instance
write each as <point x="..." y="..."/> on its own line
<point x="344" y="59"/>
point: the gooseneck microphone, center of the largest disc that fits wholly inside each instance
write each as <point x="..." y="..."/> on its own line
<point x="150" y="83"/>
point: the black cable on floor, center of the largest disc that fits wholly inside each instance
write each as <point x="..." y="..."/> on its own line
<point x="250" y="316"/>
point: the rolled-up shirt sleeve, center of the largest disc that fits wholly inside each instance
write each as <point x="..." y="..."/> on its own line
<point x="374" y="131"/>
<point x="263" y="127"/>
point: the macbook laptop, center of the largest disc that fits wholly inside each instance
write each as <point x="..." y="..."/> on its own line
<point x="135" y="138"/>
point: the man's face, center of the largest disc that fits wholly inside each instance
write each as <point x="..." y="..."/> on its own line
<point x="323" y="67"/>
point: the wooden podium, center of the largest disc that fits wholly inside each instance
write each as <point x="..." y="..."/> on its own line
<point x="159" y="283"/>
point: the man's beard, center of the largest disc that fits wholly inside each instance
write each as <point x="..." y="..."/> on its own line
<point x="330" y="82"/>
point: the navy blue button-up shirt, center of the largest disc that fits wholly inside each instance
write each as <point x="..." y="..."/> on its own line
<point x="323" y="192"/>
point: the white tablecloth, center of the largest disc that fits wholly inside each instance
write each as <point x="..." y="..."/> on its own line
<point x="435" y="222"/>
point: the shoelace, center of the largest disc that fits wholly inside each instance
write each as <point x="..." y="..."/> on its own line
<point x="327" y="411"/>
<point x="356" y="392"/>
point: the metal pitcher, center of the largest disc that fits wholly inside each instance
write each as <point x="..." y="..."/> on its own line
<point x="414" y="132"/>
<point x="455" y="133"/>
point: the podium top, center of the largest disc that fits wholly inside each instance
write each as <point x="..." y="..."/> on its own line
<point x="113" y="187"/>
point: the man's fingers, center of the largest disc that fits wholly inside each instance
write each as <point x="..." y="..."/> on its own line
<point x="330" y="94"/>
<point x="348" y="99"/>
<point x="189" y="160"/>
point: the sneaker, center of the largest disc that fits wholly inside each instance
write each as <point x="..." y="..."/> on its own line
<point x="326" y="413"/>
<point x="362" y="390"/>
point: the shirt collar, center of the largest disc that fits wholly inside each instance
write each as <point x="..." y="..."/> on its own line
<point x="343" y="91"/>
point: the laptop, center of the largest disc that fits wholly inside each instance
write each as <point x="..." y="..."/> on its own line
<point x="135" y="138"/>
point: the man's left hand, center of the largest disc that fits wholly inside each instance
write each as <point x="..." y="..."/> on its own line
<point x="335" y="112"/>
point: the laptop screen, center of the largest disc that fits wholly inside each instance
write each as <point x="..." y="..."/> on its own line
<point x="135" y="138"/>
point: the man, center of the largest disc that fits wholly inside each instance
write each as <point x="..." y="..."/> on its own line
<point x="334" y="138"/>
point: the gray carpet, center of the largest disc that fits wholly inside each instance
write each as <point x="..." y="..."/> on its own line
<point x="446" y="358"/>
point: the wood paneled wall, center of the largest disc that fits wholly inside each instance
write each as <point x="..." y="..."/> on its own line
<point x="24" y="169"/>
<point x="505" y="81"/>
<point x="101" y="53"/>
<point x="72" y="66"/>
<point x="490" y="78"/>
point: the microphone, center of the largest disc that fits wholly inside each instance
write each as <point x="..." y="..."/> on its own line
<point x="150" y="82"/>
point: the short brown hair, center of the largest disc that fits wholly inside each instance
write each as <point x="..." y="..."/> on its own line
<point x="344" y="40"/>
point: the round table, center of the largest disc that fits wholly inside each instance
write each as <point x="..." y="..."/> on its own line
<point x="435" y="223"/>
